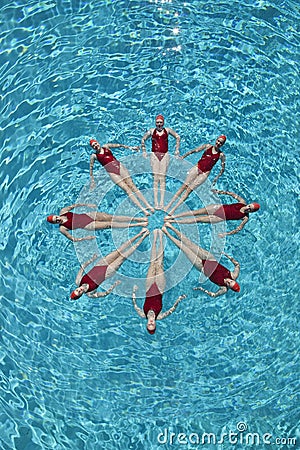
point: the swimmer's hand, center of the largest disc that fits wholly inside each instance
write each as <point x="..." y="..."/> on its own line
<point x="221" y="235"/>
<point x="200" y="288"/>
<point x="91" y="205"/>
<point x="136" y="148"/>
<point x="135" y="288"/>
<point x="145" y="155"/>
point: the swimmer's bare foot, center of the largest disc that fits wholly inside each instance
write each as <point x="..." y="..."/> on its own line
<point x="168" y="217"/>
<point x="164" y="229"/>
<point x="140" y="219"/>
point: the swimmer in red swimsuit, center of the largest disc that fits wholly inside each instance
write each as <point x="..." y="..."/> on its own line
<point x="155" y="286"/>
<point x="206" y="263"/>
<point x="91" y="221"/>
<point x="200" y="172"/>
<point x="218" y="213"/>
<point x="160" y="156"/>
<point x="105" y="268"/>
<point x="117" y="172"/>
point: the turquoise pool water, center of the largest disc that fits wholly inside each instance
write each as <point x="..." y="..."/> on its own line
<point x="86" y="375"/>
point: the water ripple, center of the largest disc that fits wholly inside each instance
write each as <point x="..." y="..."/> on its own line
<point x="87" y="375"/>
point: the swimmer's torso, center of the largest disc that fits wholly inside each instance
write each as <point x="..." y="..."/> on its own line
<point x="153" y="300"/>
<point x="208" y="160"/>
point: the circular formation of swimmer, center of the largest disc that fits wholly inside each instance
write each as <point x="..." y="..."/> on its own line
<point x="203" y="260"/>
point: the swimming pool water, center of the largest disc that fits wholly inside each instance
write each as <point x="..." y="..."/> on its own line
<point x="85" y="374"/>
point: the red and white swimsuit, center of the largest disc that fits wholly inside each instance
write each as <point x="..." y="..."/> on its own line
<point x="208" y="160"/>
<point x="231" y="212"/>
<point x="153" y="300"/>
<point x="160" y="144"/>
<point x="215" y="272"/>
<point x="108" y="161"/>
<point x="76" y="221"/>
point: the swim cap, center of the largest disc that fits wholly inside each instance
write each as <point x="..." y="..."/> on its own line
<point x="50" y="219"/>
<point x="160" y="117"/>
<point x="73" y="296"/>
<point x="223" y="137"/>
<point x="151" y="331"/>
<point x="236" y="287"/>
<point x="92" y="141"/>
<point x="256" y="206"/>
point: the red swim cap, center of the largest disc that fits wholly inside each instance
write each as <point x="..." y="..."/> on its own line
<point x="151" y="331"/>
<point x="223" y="137"/>
<point x="73" y="296"/>
<point x="50" y="219"/>
<point x="236" y="287"/>
<point x="160" y="117"/>
<point x="256" y="206"/>
<point x="92" y="141"/>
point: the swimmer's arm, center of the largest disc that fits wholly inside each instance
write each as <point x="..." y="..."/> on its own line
<point x="171" y="310"/>
<point x="237" y="229"/>
<point x="177" y="137"/>
<point x="139" y="311"/>
<point x="221" y="291"/>
<point x="120" y="146"/>
<point x="76" y="205"/>
<point x="144" y="138"/>
<point x="232" y="194"/>
<point x="92" y="161"/>
<point x="196" y="150"/>
<point x="223" y="158"/>
<point x="236" y="271"/>
<point x="96" y="294"/>
<point x="68" y="235"/>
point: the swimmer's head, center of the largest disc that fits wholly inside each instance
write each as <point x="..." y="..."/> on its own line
<point x="51" y="219"/>
<point x="78" y="292"/>
<point x="159" y="120"/>
<point x="256" y="206"/>
<point x="151" y="324"/>
<point x="94" y="144"/>
<point x="221" y="140"/>
<point x="151" y="331"/>
<point x="251" y="207"/>
<point x="235" y="287"/>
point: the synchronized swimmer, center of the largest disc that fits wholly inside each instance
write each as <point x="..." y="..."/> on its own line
<point x="206" y="263"/>
<point x="118" y="173"/>
<point x="160" y="157"/>
<point x="199" y="173"/>
<point x="91" y="221"/>
<point x="155" y="287"/>
<point x="105" y="268"/>
<point x="218" y="213"/>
